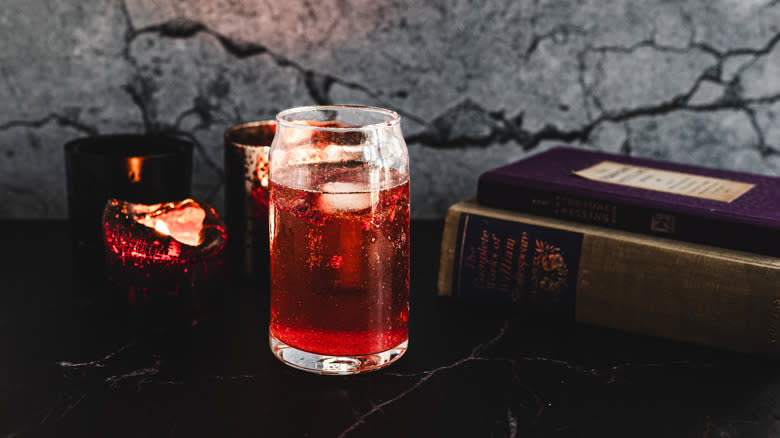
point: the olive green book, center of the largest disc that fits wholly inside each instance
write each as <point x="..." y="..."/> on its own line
<point x="656" y="286"/>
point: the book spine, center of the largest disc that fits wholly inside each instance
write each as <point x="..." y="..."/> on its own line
<point x="668" y="289"/>
<point x="624" y="216"/>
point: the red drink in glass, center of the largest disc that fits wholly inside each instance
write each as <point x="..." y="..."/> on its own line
<point x="339" y="238"/>
<point x="340" y="262"/>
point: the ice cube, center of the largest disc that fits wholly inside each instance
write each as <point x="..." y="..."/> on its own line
<point x="344" y="196"/>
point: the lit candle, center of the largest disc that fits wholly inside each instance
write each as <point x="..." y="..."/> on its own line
<point x="134" y="167"/>
<point x="166" y="258"/>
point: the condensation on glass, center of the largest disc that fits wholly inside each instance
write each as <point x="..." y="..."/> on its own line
<point x="339" y="239"/>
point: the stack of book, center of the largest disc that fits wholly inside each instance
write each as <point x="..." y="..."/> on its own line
<point x="670" y="250"/>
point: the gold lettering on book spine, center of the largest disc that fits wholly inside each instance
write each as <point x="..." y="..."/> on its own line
<point x="549" y="271"/>
<point x="484" y="260"/>
<point x="587" y="210"/>
<point x="505" y="273"/>
<point x="477" y="259"/>
<point x="522" y="265"/>
<point x="501" y="263"/>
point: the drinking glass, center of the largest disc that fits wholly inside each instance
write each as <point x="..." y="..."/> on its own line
<point x="339" y="239"/>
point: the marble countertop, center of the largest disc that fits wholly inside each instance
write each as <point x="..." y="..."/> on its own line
<point x="69" y="369"/>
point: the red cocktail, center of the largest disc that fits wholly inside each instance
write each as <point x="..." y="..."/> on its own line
<point x="339" y="252"/>
<point x="340" y="263"/>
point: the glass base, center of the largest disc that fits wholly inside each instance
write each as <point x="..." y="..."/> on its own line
<point x="334" y="365"/>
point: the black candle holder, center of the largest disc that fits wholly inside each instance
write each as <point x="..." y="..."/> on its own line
<point x="138" y="168"/>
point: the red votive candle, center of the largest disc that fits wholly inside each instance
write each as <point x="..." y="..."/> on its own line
<point x="166" y="260"/>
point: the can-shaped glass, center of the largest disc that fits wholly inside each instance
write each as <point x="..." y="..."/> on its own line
<point x="339" y="239"/>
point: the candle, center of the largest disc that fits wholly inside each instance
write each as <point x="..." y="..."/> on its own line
<point x="246" y="169"/>
<point x="140" y="168"/>
<point x="166" y="260"/>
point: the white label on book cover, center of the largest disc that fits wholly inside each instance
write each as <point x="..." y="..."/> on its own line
<point x="666" y="181"/>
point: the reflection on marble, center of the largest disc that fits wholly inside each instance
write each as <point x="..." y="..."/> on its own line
<point x="98" y="363"/>
<point x="426" y="375"/>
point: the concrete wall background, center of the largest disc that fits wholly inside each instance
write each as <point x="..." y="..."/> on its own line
<point x="479" y="83"/>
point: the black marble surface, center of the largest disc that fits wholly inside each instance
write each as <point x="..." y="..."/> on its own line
<point x="67" y="368"/>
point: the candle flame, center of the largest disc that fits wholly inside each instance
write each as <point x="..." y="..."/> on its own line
<point x="134" y="169"/>
<point x="160" y="226"/>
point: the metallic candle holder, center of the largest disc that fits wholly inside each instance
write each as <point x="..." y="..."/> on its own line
<point x="246" y="210"/>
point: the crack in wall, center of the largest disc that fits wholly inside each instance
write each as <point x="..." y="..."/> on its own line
<point x="318" y="84"/>
<point x="502" y="130"/>
<point x="688" y="20"/>
<point x="772" y="3"/>
<point x="626" y="148"/>
<point x="441" y="131"/>
<point x="587" y="93"/>
<point x="558" y="32"/>
<point x="768" y="47"/>
<point x="59" y="119"/>
<point x="141" y="91"/>
<point x="762" y="147"/>
<point x="652" y="44"/>
<point x="511" y="130"/>
<point x="138" y="90"/>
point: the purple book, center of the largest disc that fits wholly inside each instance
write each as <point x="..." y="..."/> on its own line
<point x="696" y="204"/>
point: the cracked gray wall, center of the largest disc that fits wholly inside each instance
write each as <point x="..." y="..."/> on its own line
<point x="479" y="84"/>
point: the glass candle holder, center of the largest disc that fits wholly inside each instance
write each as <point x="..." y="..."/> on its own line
<point x="165" y="260"/>
<point x="246" y="199"/>
<point x="339" y="239"/>
<point x="139" y="168"/>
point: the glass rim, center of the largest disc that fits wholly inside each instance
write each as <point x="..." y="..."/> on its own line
<point x="395" y="118"/>
<point x="230" y="132"/>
